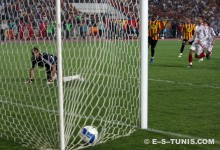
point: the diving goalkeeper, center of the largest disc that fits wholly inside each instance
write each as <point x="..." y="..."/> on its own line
<point x="48" y="61"/>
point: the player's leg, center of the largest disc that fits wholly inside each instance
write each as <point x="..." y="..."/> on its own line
<point x="153" y="45"/>
<point x="54" y="74"/>
<point x="190" y="57"/>
<point x="71" y="78"/>
<point x="53" y="71"/>
<point x="209" y="51"/>
<point x="68" y="78"/>
<point x="149" y="41"/>
<point x="49" y="76"/>
<point x="65" y="79"/>
<point x="200" y="52"/>
<point x="182" y="47"/>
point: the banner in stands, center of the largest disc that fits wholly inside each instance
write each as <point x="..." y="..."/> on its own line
<point x="99" y="8"/>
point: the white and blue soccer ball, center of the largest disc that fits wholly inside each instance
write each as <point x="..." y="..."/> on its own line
<point x="89" y="134"/>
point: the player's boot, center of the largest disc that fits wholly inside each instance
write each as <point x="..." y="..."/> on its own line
<point x="189" y="66"/>
<point x="151" y="60"/>
<point x="207" y="56"/>
<point x="180" y="55"/>
<point x="201" y="59"/>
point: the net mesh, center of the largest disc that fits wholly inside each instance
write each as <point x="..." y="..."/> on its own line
<point x="99" y="42"/>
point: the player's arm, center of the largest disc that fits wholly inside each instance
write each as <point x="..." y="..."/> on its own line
<point x="31" y="72"/>
<point x="192" y="38"/>
<point x="183" y="28"/>
<point x="53" y="71"/>
<point x="183" y="31"/>
<point x="213" y="35"/>
<point x="194" y="29"/>
<point x="205" y="32"/>
<point x="158" y="29"/>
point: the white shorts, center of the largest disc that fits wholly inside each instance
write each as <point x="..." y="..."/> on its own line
<point x="198" y="47"/>
<point x="209" y="47"/>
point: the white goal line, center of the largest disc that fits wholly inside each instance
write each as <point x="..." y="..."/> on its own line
<point x="8" y="102"/>
<point x="159" y="80"/>
<point x="191" y="84"/>
<point x="166" y="81"/>
<point x="116" y="123"/>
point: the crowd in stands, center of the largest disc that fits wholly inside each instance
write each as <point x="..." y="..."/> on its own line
<point x="185" y="8"/>
<point x="175" y="12"/>
<point x="28" y="18"/>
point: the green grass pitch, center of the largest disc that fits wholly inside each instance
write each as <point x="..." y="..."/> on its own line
<point x="181" y="100"/>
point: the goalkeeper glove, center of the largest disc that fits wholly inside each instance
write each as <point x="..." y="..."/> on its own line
<point x="49" y="81"/>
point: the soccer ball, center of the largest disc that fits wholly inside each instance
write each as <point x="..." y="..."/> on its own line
<point x="89" y="134"/>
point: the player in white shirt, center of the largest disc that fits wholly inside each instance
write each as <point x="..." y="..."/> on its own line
<point x="200" y="39"/>
<point x="210" y="39"/>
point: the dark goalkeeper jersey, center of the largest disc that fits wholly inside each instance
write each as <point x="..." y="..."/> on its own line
<point x="45" y="60"/>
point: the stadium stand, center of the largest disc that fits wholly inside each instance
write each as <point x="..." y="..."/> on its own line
<point x="19" y="13"/>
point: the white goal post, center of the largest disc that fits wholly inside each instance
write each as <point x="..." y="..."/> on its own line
<point x="102" y="71"/>
<point x="60" y="75"/>
<point x="144" y="64"/>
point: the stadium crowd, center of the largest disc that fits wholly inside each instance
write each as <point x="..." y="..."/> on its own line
<point x="175" y="12"/>
<point x="27" y="18"/>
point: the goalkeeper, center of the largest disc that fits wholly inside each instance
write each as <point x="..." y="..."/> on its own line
<point x="43" y="60"/>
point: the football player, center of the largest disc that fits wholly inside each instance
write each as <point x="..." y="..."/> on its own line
<point x="48" y="61"/>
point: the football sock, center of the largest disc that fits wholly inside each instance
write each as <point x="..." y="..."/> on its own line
<point x="190" y="58"/>
<point x="202" y="55"/>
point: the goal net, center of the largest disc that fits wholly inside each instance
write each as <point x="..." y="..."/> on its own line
<point x="100" y="43"/>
